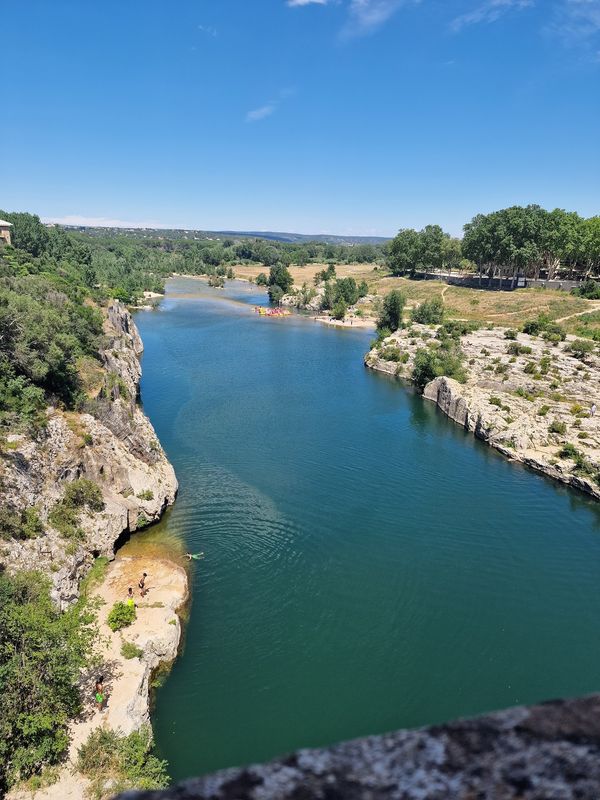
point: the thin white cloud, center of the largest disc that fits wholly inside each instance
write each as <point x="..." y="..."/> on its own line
<point x="366" y="16"/>
<point x="270" y="107"/>
<point x="261" y="113"/>
<point x="208" y="30"/>
<point x="578" y="19"/>
<point x="102" y="222"/>
<point x="298" y="3"/>
<point x="487" y="12"/>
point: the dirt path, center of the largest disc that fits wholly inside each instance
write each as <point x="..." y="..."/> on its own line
<point x="594" y="306"/>
<point x="156" y="631"/>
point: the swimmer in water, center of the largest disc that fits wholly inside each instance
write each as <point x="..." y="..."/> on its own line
<point x="195" y="556"/>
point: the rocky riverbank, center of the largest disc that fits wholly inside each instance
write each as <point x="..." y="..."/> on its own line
<point x="526" y="397"/>
<point x="112" y="444"/>
<point x="156" y="634"/>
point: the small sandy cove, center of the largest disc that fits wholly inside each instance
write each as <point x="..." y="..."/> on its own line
<point x="156" y="631"/>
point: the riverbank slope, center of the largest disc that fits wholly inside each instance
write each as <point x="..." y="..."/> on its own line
<point x="525" y="397"/>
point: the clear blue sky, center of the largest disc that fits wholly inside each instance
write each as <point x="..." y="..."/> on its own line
<point x="340" y="116"/>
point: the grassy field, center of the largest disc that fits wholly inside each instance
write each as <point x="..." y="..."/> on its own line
<point x="480" y="305"/>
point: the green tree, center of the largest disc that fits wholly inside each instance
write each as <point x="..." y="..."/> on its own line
<point x="280" y="275"/>
<point x="391" y="312"/>
<point x="41" y="654"/>
<point x="339" y="309"/>
<point x="405" y="252"/>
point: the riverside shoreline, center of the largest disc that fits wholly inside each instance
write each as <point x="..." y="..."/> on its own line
<point x="156" y="632"/>
<point x="533" y="406"/>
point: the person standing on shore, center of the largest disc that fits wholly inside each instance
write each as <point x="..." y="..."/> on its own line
<point x="99" y="696"/>
<point x="130" y="598"/>
<point x="593" y="410"/>
<point x="142" y="585"/>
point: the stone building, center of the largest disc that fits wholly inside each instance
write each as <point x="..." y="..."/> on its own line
<point x="5" y="231"/>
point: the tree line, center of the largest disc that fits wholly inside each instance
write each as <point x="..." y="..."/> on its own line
<point x="520" y="240"/>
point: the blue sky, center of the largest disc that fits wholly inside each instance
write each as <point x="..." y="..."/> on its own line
<point x="339" y="116"/>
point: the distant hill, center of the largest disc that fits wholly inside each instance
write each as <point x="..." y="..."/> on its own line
<point x="190" y="233"/>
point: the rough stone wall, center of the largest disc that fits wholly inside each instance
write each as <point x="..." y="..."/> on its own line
<point x="545" y="752"/>
<point x="122" y="455"/>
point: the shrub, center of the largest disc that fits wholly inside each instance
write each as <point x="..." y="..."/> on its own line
<point x="116" y="763"/>
<point x="457" y="328"/>
<point x="590" y="289"/>
<point x="24" y="524"/>
<point x="82" y="493"/>
<point x="130" y="650"/>
<point x="430" y="312"/>
<point x="429" y="364"/>
<point x="543" y="410"/>
<point x="120" y="616"/>
<point x="510" y="334"/>
<point x="568" y="450"/>
<point x="392" y="353"/>
<point x="147" y="494"/>
<point x="261" y="279"/>
<point x="581" y="348"/>
<point x="516" y="349"/>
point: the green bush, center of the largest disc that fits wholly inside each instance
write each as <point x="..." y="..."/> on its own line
<point x="430" y="364"/>
<point x="568" y="450"/>
<point x="430" y="312"/>
<point x="543" y="410"/>
<point x="83" y="492"/>
<point x="147" y="494"/>
<point x="339" y="310"/>
<point x="516" y="349"/>
<point x="590" y="289"/>
<point x="130" y="650"/>
<point x="116" y="763"/>
<point x="581" y="348"/>
<point x="24" y="524"/>
<point x="121" y="616"/>
<point x="510" y="334"/>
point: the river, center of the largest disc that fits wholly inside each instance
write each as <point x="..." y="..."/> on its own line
<point x="369" y="565"/>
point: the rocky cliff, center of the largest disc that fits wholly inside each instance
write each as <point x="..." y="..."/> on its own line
<point x="111" y="443"/>
<point x="525" y="397"/>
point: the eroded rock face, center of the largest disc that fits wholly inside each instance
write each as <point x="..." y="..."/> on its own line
<point x="116" y="447"/>
<point x="527" y="405"/>
<point x="546" y="752"/>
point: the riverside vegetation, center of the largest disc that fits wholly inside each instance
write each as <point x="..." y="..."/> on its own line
<point x="70" y="434"/>
<point x="66" y="377"/>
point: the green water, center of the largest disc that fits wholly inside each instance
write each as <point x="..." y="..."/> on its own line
<point x="368" y="565"/>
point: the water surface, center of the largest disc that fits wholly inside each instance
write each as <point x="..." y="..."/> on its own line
<point x="369" y="565"/>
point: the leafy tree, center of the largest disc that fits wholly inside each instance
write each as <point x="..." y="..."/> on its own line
<point x="275" y="293"/>
<point x="404" y="255"/>
<point x="280" y="275"/>
<point x="120" y="616"/>
<point x="346" y="290"/>
<point x="261" y="279"/>
<point x="429" y="364"/>
<point x="339" y="309"/>
<point x="391" y="313"/>
<point x="329" y="296"/>
<point x="41" y="654"/>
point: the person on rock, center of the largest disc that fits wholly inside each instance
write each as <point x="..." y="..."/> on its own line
<point x="130" y="598"/>
<point x="142" y="585"/>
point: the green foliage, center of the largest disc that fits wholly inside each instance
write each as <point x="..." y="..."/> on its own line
<point x="275" y="293"/>
<point x="130" y="650"/>
<point x="79" y="495"/>
<point x="543" y="410"/>
<point x="346" y="289"/>
<point x="147" y="494"/>
<point x="590" y="290"/>
<point x="390" y="317"/>
<point x="510" y="334"/>
<point x="41" y="654"/>
<point x="262" y="279"/>
<point x="25" y="524"/>
<point x="430" y="312"/>
<point x="556" y="426"/>
<point x="516" y="349"/>
<point x="120" y="616"/>
<point x="280" y="275"/>
<point x="339" y="309"/>
<point x="581" y="348"/>
<point x="429" y="364"/>
<point x="124" y="762"/>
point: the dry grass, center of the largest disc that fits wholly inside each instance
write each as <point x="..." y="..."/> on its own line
<point x="480" y="305"/>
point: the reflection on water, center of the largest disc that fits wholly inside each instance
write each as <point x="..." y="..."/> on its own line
<point x="369" y="565"/>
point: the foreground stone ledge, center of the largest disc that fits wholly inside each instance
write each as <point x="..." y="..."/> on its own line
<point x="545" y="752"/>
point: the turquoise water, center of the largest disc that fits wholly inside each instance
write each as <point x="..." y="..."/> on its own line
<point x="368" y="565"/>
